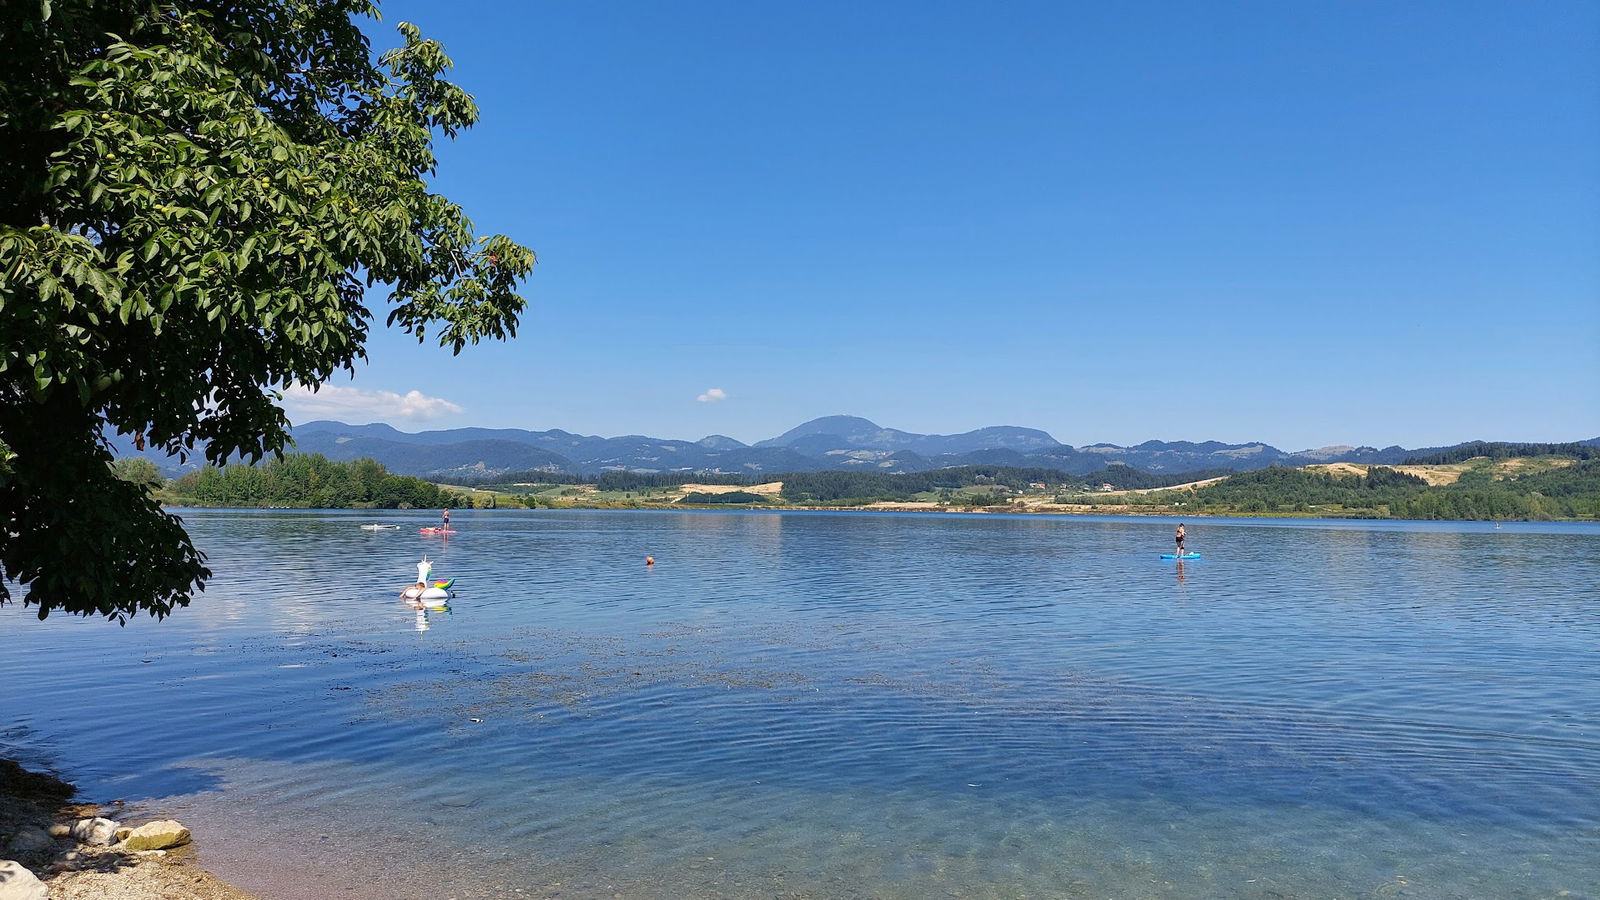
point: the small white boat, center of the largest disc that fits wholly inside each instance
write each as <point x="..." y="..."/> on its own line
<point x="378" y="527"/>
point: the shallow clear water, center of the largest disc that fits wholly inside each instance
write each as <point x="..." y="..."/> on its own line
<point x="842" y="705"/>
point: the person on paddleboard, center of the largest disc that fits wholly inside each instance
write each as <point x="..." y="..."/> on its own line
<point x="1179" y="537"/>
<point x="446" y="520"/>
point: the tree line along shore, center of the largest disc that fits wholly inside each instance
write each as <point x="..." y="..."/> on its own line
<point x="1491" y="486"/>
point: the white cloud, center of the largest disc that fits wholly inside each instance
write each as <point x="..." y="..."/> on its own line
<point x="713" y="395"/>
<point x="357" y="406"/>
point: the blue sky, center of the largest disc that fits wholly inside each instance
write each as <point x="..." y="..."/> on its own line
<point x="1306" y="223"/>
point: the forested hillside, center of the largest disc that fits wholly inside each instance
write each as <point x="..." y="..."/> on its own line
<point x="1278" y="489"/>
<point x="1567" y="489"/>
<point x="1543" y="487"/>
<point x="836" y="487"/>
<point x="1560" y="493"/>
<point x="1501" y="450"/>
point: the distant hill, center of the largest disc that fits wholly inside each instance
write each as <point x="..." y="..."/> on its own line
<point x="478" y="456"/>
<point x="847" y="432"/>
<point x="842" y="443"/>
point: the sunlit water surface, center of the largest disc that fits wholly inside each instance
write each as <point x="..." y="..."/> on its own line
<point x="850" y="705"/>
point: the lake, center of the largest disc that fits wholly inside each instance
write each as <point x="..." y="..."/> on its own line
<point x="849" y="705"/>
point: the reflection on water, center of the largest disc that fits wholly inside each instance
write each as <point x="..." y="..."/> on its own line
<point x="854" y="705"/>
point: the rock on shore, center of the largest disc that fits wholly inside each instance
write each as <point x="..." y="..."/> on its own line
<point x="154" y="836"/>
<point x="17" y="883"/>
<point x="51" y="849"/>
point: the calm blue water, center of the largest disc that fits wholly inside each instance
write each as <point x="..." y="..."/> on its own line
<point x="850" y="705"/>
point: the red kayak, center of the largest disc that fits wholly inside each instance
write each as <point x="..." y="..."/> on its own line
<point x="438" y="531"/>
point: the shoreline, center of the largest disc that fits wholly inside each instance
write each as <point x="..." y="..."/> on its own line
<point x="1132" y="512"/>
<point x="76" y="851"/>
<point x="1040" y="509"/>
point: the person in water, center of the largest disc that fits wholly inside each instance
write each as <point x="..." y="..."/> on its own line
<point x="1179" y="537"/>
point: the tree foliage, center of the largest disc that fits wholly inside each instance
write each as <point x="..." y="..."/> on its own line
<point x="1569" y="491"/>
<point x="1279" y="487"/>
<point x="1123" y="477"/>
<point x="636" y="481"/>
<point x="138" y="470"/>
<point x="311" y="481"/>
<point x="1502" y="450"/>
<point x="197" y="201"/>
<point x="726" y="497"/>
<point x="839" y="486"/>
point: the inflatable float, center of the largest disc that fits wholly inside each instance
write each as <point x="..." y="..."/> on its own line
<point x="437" y="595"/>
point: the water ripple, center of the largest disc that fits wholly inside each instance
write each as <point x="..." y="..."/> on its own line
<point x="860" y="705"/>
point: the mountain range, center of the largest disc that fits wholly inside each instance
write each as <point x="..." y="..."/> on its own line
<point x="831" y="442"/>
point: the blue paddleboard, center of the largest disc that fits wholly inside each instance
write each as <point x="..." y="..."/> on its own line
<point x="1176" y="556"/>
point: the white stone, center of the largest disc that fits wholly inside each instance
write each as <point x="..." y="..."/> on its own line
<point x="156" y="836"/>
<point x="61" y="829"/>
<point x="17" y="883"/>
<point x="94" y="831"/>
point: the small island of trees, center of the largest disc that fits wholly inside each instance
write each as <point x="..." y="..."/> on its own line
<point x="302" y="481"/>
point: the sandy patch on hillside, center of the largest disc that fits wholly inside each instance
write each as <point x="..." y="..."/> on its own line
<point x="1436" y="476"/>
<point x="770" y="489"/>
<point x="1177" y="487"/>
<point x="1338" y="469"/>
<point x="1521" y="465"/>
<point x="1433" y="475"/>
<point x="1188" y="486"/>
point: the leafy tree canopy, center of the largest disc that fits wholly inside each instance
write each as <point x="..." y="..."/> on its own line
<point x="726" y="497"/>
<point x="197" y="201"/>
<point x="311" y="481"/>
<point x="1503" y="450"/>
<point x="138" y="470"/>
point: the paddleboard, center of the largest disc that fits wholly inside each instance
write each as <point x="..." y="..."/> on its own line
<point x="1176" y="556"/>
<point x="438" y="531"/>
